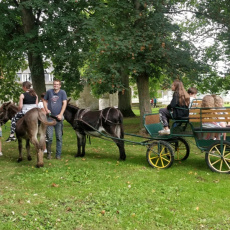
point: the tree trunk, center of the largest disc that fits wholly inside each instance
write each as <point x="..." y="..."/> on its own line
<point x="143" y="93"/>
<point x="35" y="60"/>
<point x="37" y="73"/>
<point x="124" y="97"/>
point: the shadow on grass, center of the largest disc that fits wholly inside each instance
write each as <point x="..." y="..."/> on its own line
<point x="193" y="163"/>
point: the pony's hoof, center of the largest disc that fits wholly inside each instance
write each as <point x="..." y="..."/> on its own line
<point x="77" y="155"/>
<point x="39" y="165"/>
<point x="19" y="160"/>
<point x="29" y="158"/>
<point x="122" y="159"/>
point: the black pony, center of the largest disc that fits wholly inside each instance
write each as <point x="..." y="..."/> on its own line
<point x="86" y="122"/>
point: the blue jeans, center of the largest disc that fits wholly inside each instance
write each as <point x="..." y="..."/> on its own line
<point x="58" y="131"/>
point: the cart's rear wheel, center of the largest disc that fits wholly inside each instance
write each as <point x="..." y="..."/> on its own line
<point x="218" y="157"/>
<point x="181" y="149"/>
<point x="160" y="154"/>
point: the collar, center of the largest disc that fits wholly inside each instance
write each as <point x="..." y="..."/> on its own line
<point x="56" y="92"/>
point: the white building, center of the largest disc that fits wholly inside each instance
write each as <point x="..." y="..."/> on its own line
<point x="25" y="75"/>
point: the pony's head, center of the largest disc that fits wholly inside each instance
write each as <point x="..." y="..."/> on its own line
<point x="71" y="107"/>
<point x="70" y="112"/>
<point x="7" y="111"/>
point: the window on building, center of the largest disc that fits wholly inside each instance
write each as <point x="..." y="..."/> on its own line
<point x="26" y="77"/>
<point x="51" y="77"/>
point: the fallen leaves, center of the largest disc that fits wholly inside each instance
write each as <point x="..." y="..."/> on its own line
<point x="103" y="212"/>
<point x="129" y="184"/>
<point x="191" y="172"/>
<point x="68" y="209"/>
<point x="133" y="214"/>
<point x="54" y="185"/>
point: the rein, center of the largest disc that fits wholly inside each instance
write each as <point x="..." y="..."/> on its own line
<point x="78" y="117"/>
<point x="107" y="114"/>
<point x="103" y="136"/>
<point x="81" y="112"/>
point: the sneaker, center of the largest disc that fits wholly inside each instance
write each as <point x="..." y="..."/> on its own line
<point x="11" y="139"/>
<point x="1" y="154"/>
<point x="164" y="132"/>
<point x="45" y="151"/>
<point x="58" y="158"/>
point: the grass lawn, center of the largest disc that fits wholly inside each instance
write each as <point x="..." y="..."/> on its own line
<point x="137" y="111"/>
<point x="100" y="192"/>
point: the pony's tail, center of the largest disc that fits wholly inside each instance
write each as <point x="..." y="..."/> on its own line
<point x="50" y="123"/>
<point x="120" y="117"/>
<point x="122" y="131"/>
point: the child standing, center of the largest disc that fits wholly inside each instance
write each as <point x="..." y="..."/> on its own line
<point x="155" y="102"/>
<point x="151" y="102"/>
<point x="1" y="141"/>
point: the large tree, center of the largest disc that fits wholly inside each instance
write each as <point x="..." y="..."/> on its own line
<point x="206" y="24"/>
<point x="45" y="31"/>
<point x="135" y="39"/>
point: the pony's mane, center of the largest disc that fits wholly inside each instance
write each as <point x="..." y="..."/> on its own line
<point x="8" y="104"/>
<point x="12" y="108"/>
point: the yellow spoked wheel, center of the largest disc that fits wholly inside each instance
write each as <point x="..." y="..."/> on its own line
<point x="160" y="154"/>
<point x="181" y="149"/>
<point x="218" y="157"/>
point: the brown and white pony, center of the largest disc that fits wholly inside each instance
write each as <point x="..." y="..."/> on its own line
<point x="29" y="127"/>
<point x="93" y="123"/>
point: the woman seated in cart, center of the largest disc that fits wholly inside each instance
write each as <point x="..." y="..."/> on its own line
<point x="178" y="107"/>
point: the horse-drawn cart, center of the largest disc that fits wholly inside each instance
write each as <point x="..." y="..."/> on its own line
<point x="163" y="150"/>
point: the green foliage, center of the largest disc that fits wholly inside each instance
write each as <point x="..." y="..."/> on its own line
<point x="135" y="37"/>
<point x="209" y="24"/>
<point x="10" y="89"/>
<point x="213" y="84"/>
<point x="154" y="87"/>
<point x="218" y="12"/>
<point x="53" y="30"/>
<point x="110" y="38"/>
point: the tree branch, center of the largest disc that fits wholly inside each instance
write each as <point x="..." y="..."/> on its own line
<point x="38" y="16"/>
<point x="16" y="3"/>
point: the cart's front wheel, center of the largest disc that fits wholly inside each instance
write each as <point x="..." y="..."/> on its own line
<point x="218" y="157"/>
<point x="160" y="154"/>
<point x="181" y="149"/>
